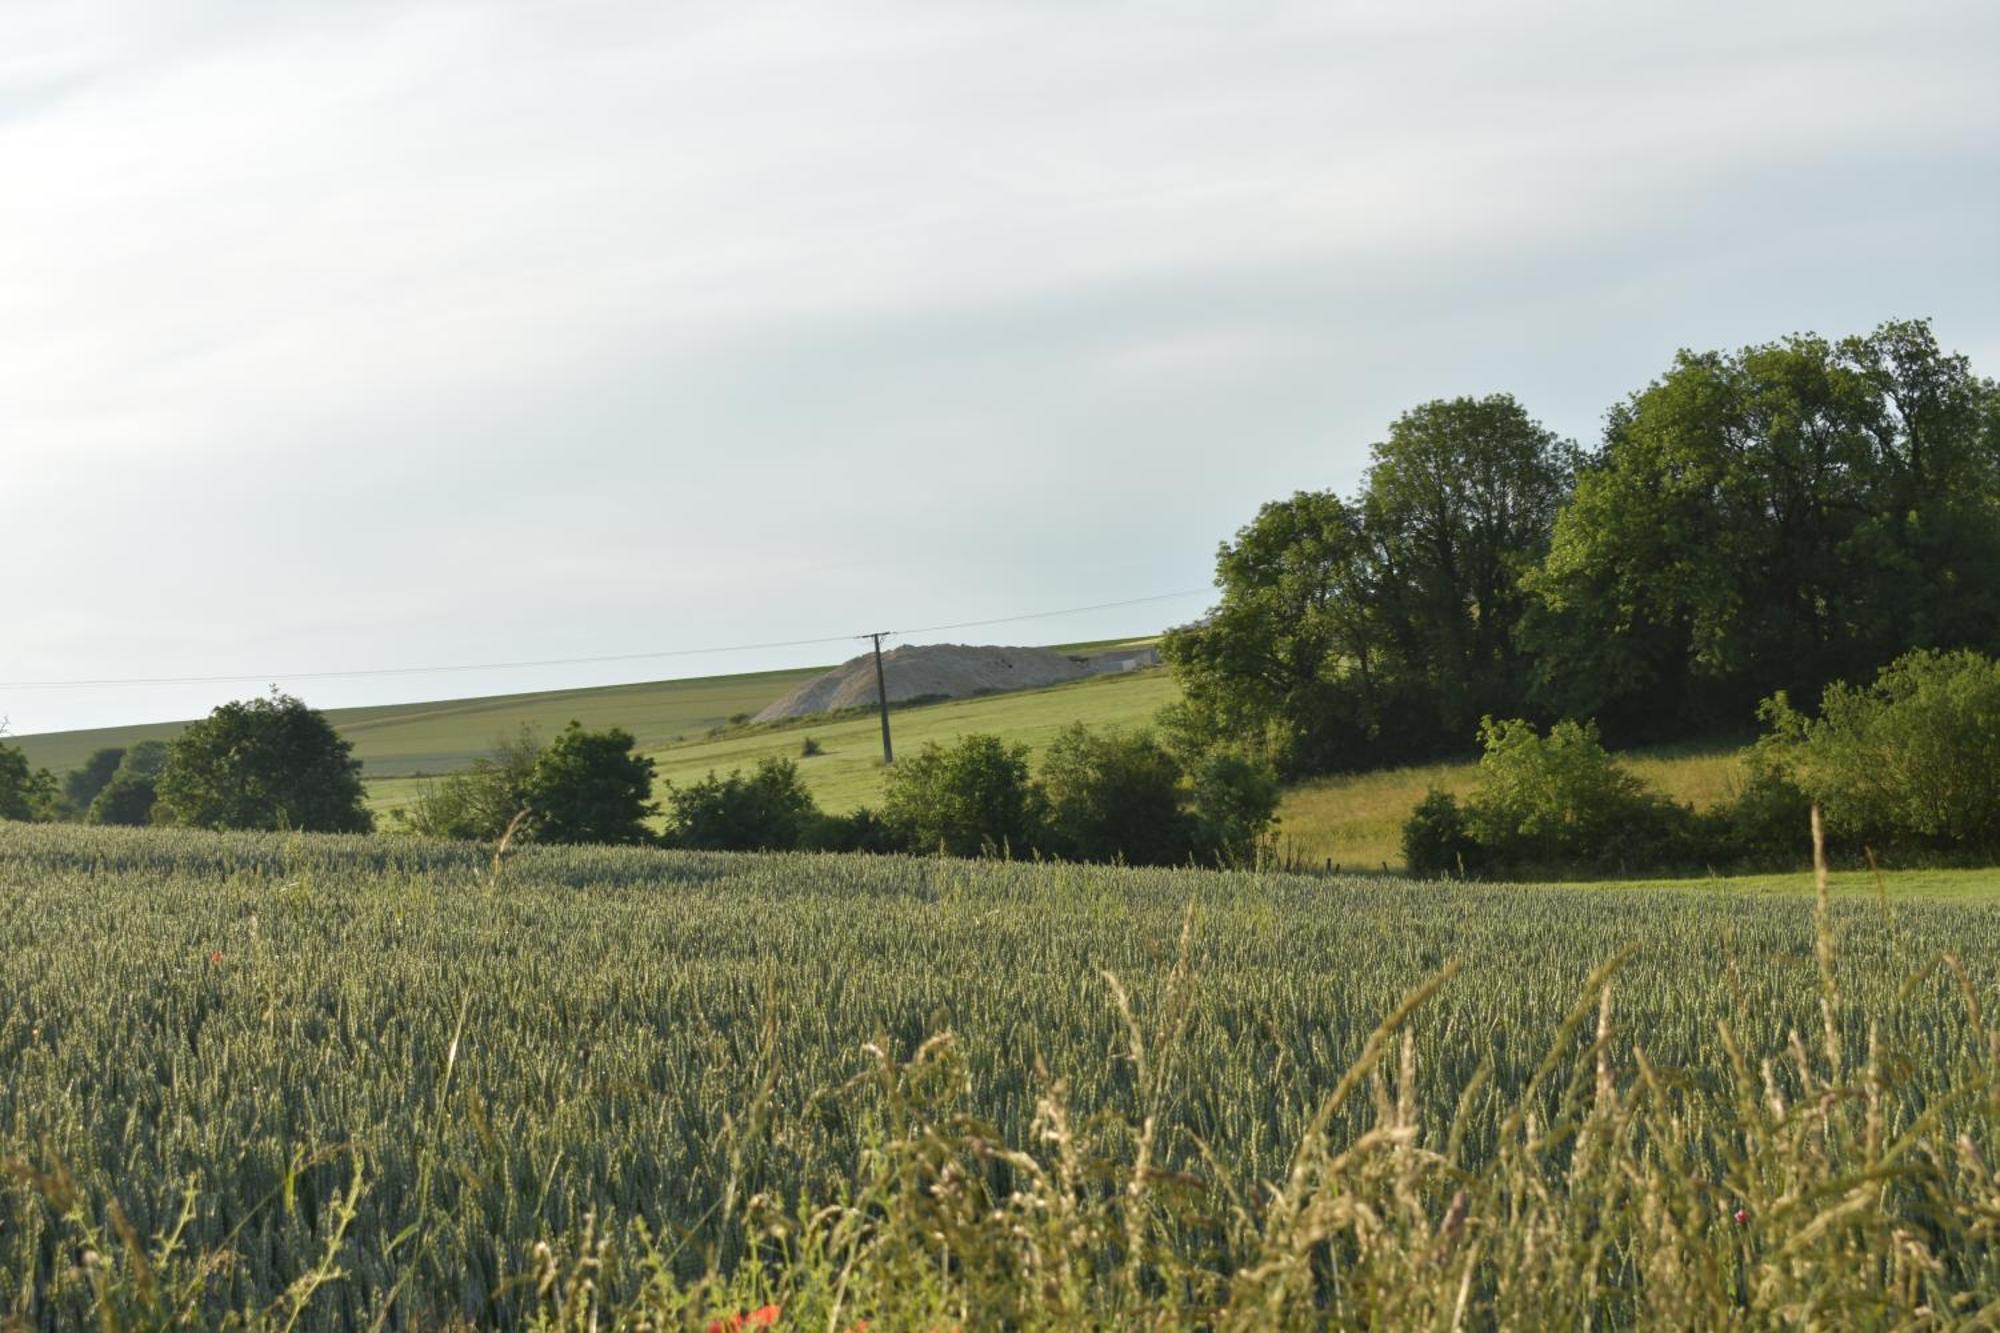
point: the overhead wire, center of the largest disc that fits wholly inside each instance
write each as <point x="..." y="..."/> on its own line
<point x="595" y="660"/>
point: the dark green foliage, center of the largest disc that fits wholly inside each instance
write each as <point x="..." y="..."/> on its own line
<point x="25" y="793"/>
<point x="809" y="747"/>
<point x="1113" y="796"/>
<point x="861" y="830"/>
<point x="81" y="785"/>
<point x="1235" y="806"/>
<point x="1758" y="829"/>
<point x="589" y="786"/>
<point x="1776" y="518"/>
<point x="1354" y="632"/>
<point x="972" y="799"/>
<point x="147" y="759"/>
<point x="770" y="810"/>
<point x="480" y="803"/>
<point x="1436" y="844"/>
<point x="1911" y="761"/>
<point x="129" y="797"/>
<point x="269" y="763"/>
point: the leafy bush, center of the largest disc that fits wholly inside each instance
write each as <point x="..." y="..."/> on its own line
<point x="1912" y="760"/>
<point x="25" y="793"/>
<point x="270" y="763"/>
<point x="1235" y="806"/>
<point x="1763" y="827"/>
<point x="1436" y="844"/>
<point x="770" y="810"/>
<point x="589" y="786"/>
<point x="810" y="747"/>
<point x="480" y="803"/>
<point x="1561" y="803"/>
<point x="972" y="799"/>
<point x="1556" y="804"/>
<point x="861" y="830"/>
<point x="1112" y="796"/>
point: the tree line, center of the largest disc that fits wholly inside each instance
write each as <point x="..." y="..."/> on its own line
<point x="274" y="763"/>
<point x="1772" y="519"/>
<point x="1109" y="795"/>
<point x="1907" y="766"/>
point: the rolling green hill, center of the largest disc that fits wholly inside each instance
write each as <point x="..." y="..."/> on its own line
<point x="396" y="740"/>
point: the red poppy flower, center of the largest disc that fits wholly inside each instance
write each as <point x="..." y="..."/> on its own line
<point x="1741" y="1217"/>
<point x="762" y="1317"/>
<point x="216" y="957"/>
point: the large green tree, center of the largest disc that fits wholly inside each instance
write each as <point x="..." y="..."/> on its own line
<point x="1779" y="517"/>
<point x="269" y="763"/>
<point x="1461" y="500"/>
<point x="1352" y="632"/>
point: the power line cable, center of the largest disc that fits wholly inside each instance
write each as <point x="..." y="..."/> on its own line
<point x="362" y="673"/>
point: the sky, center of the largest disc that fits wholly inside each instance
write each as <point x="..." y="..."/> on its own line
<point x="355" y="336"/>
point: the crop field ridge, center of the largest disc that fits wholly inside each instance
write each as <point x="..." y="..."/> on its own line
<point x="358" y="1082"/>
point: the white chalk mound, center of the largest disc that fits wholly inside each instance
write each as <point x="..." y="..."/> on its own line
<point x="942" y="670"/>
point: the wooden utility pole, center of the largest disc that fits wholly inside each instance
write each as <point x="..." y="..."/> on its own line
<point x="882" y="697"/>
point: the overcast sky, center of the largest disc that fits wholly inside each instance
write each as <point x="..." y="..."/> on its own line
<point x="349" y="335"/>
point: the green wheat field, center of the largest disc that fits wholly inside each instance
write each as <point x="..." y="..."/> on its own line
<point x="354" y="1082"/>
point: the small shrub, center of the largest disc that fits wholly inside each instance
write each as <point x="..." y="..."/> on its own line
<point x="1912" y="760"/>
<point x="480" y="803"/>
<point x="1235" y="806"/>
<point x="1436" y="844"/>
<point x="972" y="799"/>
<point x="1109" y="796"/>
<point x="862" y="830"/>
<point x="770" y="810"/>
<point x="1552" y="805"/>
<point x="1761" y="827"/>
<point x="1561" y="803"/>
<point x="810" y="747"/>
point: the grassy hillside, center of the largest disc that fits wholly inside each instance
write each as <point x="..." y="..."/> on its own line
<point x="447" y="734"/>
<point x="848" y="772"/>
<point x="440" y="736"/>
<point x="373" y="1056"/>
